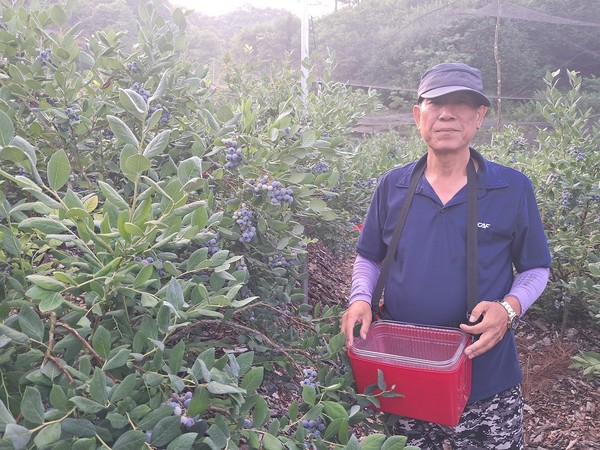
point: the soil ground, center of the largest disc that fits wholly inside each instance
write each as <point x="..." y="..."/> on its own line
<point x="562" y="406"/>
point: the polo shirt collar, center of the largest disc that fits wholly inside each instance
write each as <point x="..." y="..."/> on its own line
<point x="488" y="176"/>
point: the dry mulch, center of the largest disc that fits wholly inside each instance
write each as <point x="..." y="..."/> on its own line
<point x="562" y="406"/>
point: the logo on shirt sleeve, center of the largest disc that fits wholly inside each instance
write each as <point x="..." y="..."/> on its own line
<point x="483" y="225"/>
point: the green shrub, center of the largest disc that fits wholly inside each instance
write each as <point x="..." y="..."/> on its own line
<point x="126" y="190"/>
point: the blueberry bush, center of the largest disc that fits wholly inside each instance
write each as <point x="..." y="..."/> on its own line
<point x="143" y="212"/>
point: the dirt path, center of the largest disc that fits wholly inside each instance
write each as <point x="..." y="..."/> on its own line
<point x="562" y="406"/>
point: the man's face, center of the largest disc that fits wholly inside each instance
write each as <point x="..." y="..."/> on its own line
<point x="449" y="122"/>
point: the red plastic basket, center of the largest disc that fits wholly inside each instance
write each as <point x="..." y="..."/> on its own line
<point x="426" y="365"/>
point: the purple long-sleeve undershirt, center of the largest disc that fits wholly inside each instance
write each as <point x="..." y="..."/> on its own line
<point x="527" y="286"/>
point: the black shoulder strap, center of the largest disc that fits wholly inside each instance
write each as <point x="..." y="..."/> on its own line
<point x="389" y="256"/>
<point x="472" y="272"/>
<point x="472" y="254"/>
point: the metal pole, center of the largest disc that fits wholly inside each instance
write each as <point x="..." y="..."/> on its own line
<point x="304" y="55"/>
<point x="304" y="50"/>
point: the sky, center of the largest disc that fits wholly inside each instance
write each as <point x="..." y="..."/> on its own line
<point x="220" y="7"/>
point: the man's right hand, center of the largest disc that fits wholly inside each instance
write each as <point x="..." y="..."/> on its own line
<point x="357" y="312"/>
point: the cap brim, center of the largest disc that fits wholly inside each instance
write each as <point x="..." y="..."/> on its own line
<point x="438" y="92"/>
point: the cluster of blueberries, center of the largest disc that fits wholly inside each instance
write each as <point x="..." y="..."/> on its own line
<point x="276" y="191"/>
<point x="213" y="244"/>
<point x="233" y="154"/>
<point x="278" y="260"/>
<point x="180" y="403"/>
<point x="137" y="87"/>
<point x="566" y="197"/>
<point x="146" y="94"/>
<point x="150" y="260"/>
<point x="241" y="265"/>
<point x="314" y="428"/>
<point x="72" y="115"/>
<point x="320" y="167"/>
<point x="166" y="115"/>
<point x="243" y="218"/>
<point x="310" y="378"/>
<point x="368" y="183"/>
<point x="107" y="133"/>
<point x="132" y="67"/>
<point x="44" y="56"/>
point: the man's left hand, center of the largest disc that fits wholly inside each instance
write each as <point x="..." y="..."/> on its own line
<point x="492" y="327"/>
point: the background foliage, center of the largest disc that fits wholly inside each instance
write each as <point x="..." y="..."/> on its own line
<point x="127" y="185"/>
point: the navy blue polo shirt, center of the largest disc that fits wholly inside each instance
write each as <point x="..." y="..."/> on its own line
<point x="427" y="279"/>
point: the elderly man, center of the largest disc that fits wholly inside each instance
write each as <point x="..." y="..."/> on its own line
<point x="427" y="279"/>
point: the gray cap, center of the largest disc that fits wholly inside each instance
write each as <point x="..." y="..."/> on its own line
<point x="451" y="77"/>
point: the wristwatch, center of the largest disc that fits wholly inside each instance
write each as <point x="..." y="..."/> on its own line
<point x="513" y="318"/>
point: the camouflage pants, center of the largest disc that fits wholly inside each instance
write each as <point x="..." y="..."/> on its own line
<point x="493" y="423"/>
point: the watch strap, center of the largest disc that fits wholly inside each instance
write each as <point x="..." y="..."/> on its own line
<point x="512" y="315"/>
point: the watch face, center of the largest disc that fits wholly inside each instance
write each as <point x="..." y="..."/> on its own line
<point x="514" y="323"/>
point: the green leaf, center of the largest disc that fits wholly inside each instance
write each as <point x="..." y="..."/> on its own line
<point x="7" y="129"/>
<point x="197" y="258"/>
<point x="58" y="16"/>
<point x="394" y="443"/>
<point x="27" y="149"/>
<point x="51" y="301"/>
<point x="165" y="431"/>
<point x="31" y="324"/>
<point x="200" y="402"/>
<point x="132" y="229"/>
<point x="47" y="435"/>
<point x="372" y="442"/>
<point x="335" y="410"/>
<point x="162" y="86"/>
<point x="308" y="138"/>
<point x="176" y="356"/>
<point x="133" y="103"/>
<point x="137" y="164"/>
<point x="122" y="132"/>
<point x="101" y="341"/>
<point x="43" y="224"/>
<point x="130" y="440"/>
<point x="261" y="413"/>
<point x="124" y="389"/>
<point x="317" y="205"/>
<point x="86" y="405"/>
<point x="143" y="275"/>
<point x="58" y="398"/>
<point x="5" y="416"/>
<point x="119" y="360"/>
<point x="175" y="293"/>
<point x="47" y="283"/>
<point x="353" y="443"/>
<point x="333" y="429"/>
<point x="112" y="195"/>
<point x="309" y="394"/>
<point x="82" y="428"/>
<point x="16" y="336"/>
<point x="59" y="170"/>
<point x="337" y="343"/>
<point x="98" y="387"/>
<point x="216" y="388"/>
<point x="253" y="379"/>
<point x="158" y="144"/>
<point x="109" y="268"/>
<point x="188" y="169"/>
<point x="18" y="435"/>
<point x="270" y="442"/>
<point x="293" y="410"/>
<point x="32" y="407"/>
<point x="183" y="442"/>
<point x="127" y="152"/>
